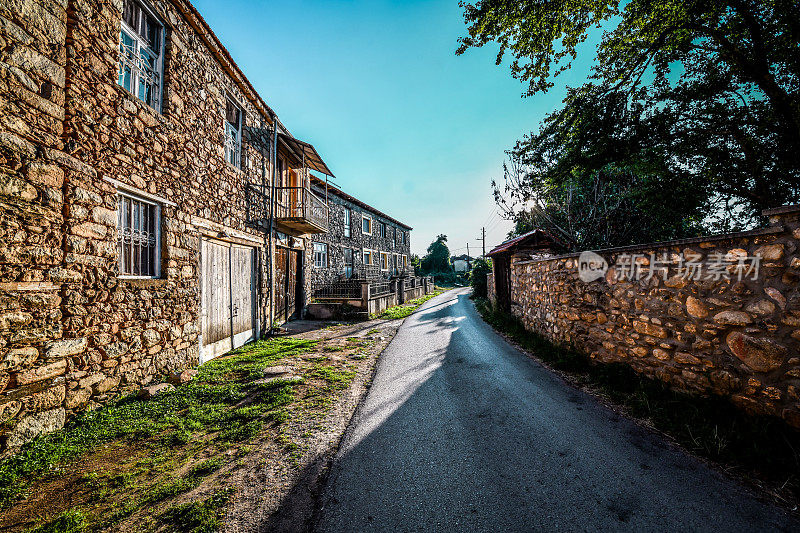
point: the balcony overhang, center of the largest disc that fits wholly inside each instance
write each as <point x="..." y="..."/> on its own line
<point x="306" y="153"/>
<point x="298" y="226"/>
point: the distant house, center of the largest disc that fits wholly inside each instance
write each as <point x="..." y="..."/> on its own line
<point x="462" y="263"/>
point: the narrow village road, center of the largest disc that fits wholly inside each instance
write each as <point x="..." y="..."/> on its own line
<point x="462" y="432"/>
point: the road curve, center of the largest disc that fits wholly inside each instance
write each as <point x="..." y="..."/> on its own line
<point x="462" y="432"/>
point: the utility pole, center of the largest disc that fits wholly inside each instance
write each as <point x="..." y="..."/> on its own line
<point x="469" y="267"/>
<point x="483" y="238"/>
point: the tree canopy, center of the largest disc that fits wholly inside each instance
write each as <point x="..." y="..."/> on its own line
<point x="691" y="114"/>
<point x="438" y="257"/>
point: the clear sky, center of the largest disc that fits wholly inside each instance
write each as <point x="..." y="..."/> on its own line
<point x="376" y="87"/>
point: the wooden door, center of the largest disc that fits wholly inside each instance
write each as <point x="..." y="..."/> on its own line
<point x="288" y="283"/>
<point x="242" y="294"/>
<point x="228" y="297"/>
<point x="502" y="275"/>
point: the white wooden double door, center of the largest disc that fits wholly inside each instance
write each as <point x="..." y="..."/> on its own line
<point x="228" y="295"/>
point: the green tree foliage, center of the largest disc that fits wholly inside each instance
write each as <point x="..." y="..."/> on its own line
<point x="437" y="260"/>
<point x="477" y="277"/>
<point x="691" y="114"/>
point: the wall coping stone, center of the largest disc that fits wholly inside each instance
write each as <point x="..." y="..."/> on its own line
<point x="666" y="244"/>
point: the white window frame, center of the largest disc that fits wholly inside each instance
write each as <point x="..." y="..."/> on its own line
<point x="233" y="136"/>
<point x="348" y="217"/>
<point x="382" y="227"/>
<point x="363" y="218"/>
<point x="367" y="252"/>
<point x="352" y="264"/>
<point x="384" y="255"/>
<point x="130" y="56"/>
<point x="155" y="240"/>
<point x="320" y="257"/>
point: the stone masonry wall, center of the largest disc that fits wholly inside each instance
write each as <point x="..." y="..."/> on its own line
<point x="72" y="332"/>
<point x="737" y="339"/>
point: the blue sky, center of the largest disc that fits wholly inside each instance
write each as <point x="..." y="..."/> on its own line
<point x="376" y="86"/>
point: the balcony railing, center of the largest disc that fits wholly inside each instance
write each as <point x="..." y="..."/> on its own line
<point x="300" y="210"/>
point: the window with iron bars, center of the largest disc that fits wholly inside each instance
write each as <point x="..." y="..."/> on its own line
<point x="233" y="133"/>
<point x="141" y="53"/>
<point x="138" y="237"/>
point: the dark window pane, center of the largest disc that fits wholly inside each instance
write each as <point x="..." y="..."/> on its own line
<point x="130" y="14"/>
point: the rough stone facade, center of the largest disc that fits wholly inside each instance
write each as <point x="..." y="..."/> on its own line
<point x="358" y="241"/>
<point x="73" y="333"/>
<point x="738" y="339"/>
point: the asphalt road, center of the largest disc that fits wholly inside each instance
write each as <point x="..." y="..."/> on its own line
<point x="462" y="432"/>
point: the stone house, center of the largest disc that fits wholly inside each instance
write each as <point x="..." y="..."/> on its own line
<point x="361" y="242"/>
<point x="461" y="263"/>
<point x="154" y="211"/>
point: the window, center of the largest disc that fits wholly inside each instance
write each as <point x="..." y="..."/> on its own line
<point x="141" y="53"/>
<point x="320" y="255"/>
<point x="346" y="222"/>
<point x="348" y="263"/>
<point x="138" y="237"/>
<point x="383" y="229"/>
<point x="368" y="257"/>
<point x="233" y="133"/>
<point x="394" y="237"/>
<point x="384" y="261"/>
<point x="366" y="225"/>
<point x="405" y="263"/>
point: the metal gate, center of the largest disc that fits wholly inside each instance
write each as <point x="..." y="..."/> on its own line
<point x="228" y="297"/>
<point x="288" y="283"/>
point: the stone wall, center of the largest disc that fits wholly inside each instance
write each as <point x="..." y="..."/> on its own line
<point x="357" y="240"/>
<point x="736" y="338"/>
<point x="73" y="333"/>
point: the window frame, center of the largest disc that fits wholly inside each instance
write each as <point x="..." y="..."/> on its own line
<point x="236" y="144"/>
<point x="363" y="218"/>
<point x="348" y="218"/>
<point x="382" y="229"/>
<point x="134" y="59"/>
<point x="367" y="252"/>
<point x="351" y="265"/>
<point x="384" y="256"/>
<point x="124" y="195"/>
<point x="324" y="254"/>
<point x="405" y="262"/>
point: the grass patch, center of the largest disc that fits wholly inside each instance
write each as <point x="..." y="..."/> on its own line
<point x="205" y="405"/>
<point x="404" y="310"/>
<point x="71" y="521"/>
<point x="711" y="427"/>
<point x="200" y="516"/>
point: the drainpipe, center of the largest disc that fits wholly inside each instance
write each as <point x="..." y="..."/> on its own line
<point x="273" y="156"/>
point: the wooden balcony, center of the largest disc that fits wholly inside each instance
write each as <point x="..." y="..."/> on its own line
<point x="298" y="211"/>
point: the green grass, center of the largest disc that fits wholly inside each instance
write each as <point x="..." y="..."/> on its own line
<point x="708" y="426"/>
<point x="199" y="516"/>
<point x="404" y="310"/>
<point x="71" y="521"/>
<point x="205" y="405"/>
